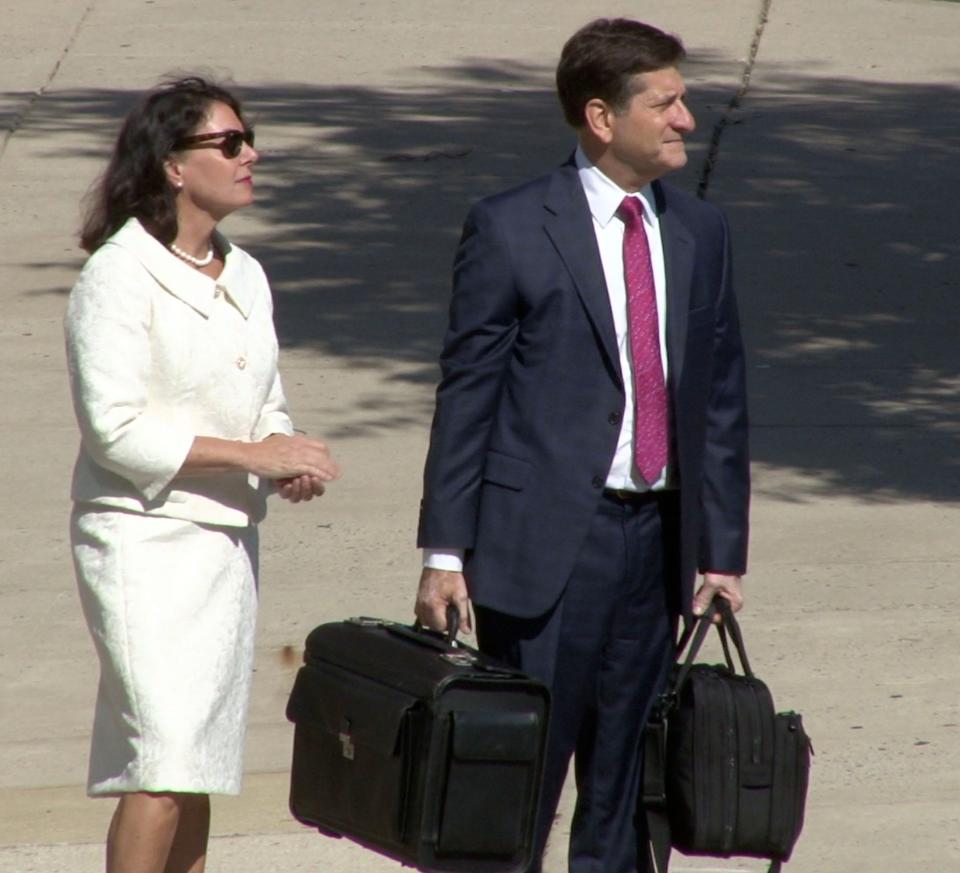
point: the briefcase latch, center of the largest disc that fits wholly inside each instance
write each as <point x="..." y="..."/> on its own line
<point x="346" y="740"/>
<point x="460" y="659"/>
<point x="366" y="621"/>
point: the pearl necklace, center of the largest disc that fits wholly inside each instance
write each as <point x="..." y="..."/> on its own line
<point x="190" y="259"/>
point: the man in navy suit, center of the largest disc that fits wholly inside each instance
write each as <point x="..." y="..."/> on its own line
<point x="588" y="456"/>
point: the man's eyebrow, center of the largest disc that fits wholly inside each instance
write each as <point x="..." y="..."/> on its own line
<point x="655" y="95"/>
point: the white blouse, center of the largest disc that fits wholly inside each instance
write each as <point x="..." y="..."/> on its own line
<point x="158" y="354"/>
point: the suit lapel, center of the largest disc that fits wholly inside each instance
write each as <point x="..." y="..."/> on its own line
<point x="569" y="225"/>
<point x="678" y="255"/>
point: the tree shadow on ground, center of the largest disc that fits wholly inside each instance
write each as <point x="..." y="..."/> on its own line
<point x="843" y="202"/>
<point x="840" y="194"/>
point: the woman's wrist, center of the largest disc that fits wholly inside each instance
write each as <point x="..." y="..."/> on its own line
<point x="218" y="455"/>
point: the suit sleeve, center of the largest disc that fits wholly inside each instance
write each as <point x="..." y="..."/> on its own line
<point x="477" y="350"/>
<point x="726" y="476"/>
<point x="275" y="415"/>
<point x="108" y="352"/>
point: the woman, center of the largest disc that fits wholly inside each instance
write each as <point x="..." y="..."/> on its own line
<point x="184" y="426"/>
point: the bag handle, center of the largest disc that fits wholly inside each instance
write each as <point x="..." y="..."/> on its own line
<point x="453" y="624"/>
<point x="698" y="632"/>
<point x="437" y="639"/>
<point x="731" y="624"/>
<point x="446" y="644"/>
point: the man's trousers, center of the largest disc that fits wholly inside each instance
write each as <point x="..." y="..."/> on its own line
<point x="603" y="650"/>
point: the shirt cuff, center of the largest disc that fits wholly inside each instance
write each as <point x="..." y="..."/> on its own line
<point x="444" y="559"/>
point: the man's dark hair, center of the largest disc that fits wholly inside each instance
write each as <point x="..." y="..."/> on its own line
<point x="135" y="183"/>
<point x="600" y="60"/>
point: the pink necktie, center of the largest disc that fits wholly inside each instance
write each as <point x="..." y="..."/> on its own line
<point x="650" y="393"/>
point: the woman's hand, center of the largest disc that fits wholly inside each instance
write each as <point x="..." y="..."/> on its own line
<point x="300" y="464"/>
<point x="296" y="458"/>
<point x="297" y="488"/>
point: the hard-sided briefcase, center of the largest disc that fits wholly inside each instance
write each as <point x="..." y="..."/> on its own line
<point x="423" y="750"/>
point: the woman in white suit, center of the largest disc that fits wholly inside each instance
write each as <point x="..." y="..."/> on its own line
<point x="184" y="429"/>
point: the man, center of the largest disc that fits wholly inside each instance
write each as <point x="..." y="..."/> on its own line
<point x="589" y="448"/>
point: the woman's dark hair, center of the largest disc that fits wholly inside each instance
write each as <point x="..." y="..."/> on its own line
<point x="601" y="59"/>
<point x="135" y="184"/>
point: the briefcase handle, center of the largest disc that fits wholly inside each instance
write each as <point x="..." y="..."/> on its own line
<point x="453" y="623"/>
<point x="698" y="632"/>
<point x="446" y="644"/>
<point x="436" y="639"/>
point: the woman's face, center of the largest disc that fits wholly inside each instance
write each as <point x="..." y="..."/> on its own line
<point x="206" y="179"/>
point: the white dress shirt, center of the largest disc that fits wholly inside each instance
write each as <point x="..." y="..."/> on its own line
<point x="604" y="198"/>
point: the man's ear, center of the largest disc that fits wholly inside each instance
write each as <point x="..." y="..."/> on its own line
<point x="174" y="173"/>
<point x="597" y="116"/>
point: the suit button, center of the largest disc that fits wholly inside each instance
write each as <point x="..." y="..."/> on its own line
<point x="614" y="418"/>
<point x="597" y="482"/>
<point x="241" y="362"/>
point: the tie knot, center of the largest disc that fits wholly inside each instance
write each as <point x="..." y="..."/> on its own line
<point x="630" y="210"/>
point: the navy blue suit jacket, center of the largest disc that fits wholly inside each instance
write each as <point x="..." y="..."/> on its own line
<point x="529" y="406"/>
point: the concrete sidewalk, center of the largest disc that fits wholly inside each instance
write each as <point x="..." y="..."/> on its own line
<point x="827" y="132"/>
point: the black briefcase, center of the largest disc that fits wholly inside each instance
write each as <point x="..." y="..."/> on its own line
<point x="724" y="773"/>
<point x="418" y="748"/>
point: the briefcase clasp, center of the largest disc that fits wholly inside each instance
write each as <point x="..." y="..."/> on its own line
<point x="366" y="621"/>
<point x="460" y="659"/>
<point x="346" y="740"/>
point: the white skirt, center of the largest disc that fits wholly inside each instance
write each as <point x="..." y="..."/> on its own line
<point x="172" y="608"/>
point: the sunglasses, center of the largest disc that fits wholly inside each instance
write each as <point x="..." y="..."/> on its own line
<point x="230" y="141"/>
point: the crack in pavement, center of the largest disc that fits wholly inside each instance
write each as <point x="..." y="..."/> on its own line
<point x="21" y="117"/>
<point x="713" y="152"/>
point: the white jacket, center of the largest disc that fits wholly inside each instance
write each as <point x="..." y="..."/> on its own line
<point x="159" y="354"/>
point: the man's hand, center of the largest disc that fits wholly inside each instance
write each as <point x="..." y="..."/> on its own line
<point x="438" y="589"/>
<point x="728" y="587"/>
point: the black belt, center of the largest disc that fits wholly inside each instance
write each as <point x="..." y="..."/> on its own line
<point x="632" y="498"/>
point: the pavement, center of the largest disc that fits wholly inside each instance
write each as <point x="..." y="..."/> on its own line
<point x="827" y="131"/>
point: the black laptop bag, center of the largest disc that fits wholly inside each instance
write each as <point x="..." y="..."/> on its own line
<point x="724" y="773"/>
<point x="418" y="748"/>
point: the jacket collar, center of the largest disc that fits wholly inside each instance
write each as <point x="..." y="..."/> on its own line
<point x="180" y="279"/>
<point x="569" y="225"/>
<point x="679" y="253"/>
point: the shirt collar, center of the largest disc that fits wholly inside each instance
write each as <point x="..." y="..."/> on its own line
<point x="604" y="196"/>
<point x="180" y="279"/>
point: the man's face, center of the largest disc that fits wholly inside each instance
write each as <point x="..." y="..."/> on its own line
<point x="646" y="137"/>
